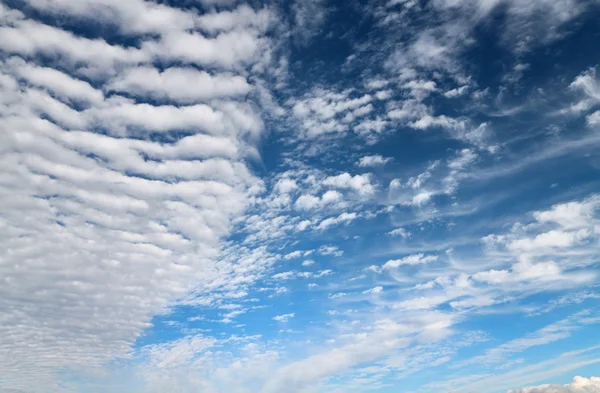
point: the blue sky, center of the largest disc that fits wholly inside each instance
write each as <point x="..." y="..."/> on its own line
<point x="299" y="196"/>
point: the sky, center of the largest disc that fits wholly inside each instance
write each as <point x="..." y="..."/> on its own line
<point x="299" y="196"/>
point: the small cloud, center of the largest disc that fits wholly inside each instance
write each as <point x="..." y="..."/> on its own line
<point x="292" y="255"/>
<point x="372" y="161"/>
<point x="284" y="318"/>
<point x="331" y="250"/>
<point x="411" y="260"/>
<point x="374" y="291"/>
<point x="399" y="232"/>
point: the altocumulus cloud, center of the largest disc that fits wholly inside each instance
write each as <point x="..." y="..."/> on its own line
<point x="118" y="179"/>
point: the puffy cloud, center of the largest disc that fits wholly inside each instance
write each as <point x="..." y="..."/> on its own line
<point x="579" y="385"/>
<point x="309" y="202"/>
<point x="242" y="17"/>
<point x="105" y="224"/>
<point x="184" y="85"/>
<point x="330" y="250"/>
<point x="588" y="84"/>
<point x="553" y="232"/>
<point x="343" y="218"/>
<point x="328" y="112"/>
<point x="59" y="83"/>
<point x="550" y="239"/>
<point x="359" y="183"/>
<point x="594" y="119"/>
<point x="570" y="215"/>
<point x="375" y="160"/>
<point x="29" y="38"/>
<point x="133" y="17"/>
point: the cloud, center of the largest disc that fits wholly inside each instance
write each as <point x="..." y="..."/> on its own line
<point x="120" y="223"/>
<point x="416" y="259"/>
<point x="374" y="290"/>
<point x="330" y="250"/>
<point x="324" y="112"/>
<point x="399" y="232"/>
<point x="182" y="85"/>
<point x="359" y="183"/>
<point x="308" y="19"/>
<point x="570" y="215"/>
<point x="133" y="17"/>
<point x="579" y="385"/>
<point x="284" y="317"/>
<point x="132" y="203"/>
<point x="358" y="349"/>
<point x="29" y="38"/>
<point x="309" y="202"/>
<point x="588" y="84"/>
<point x="556" y="331"/>
<point x="375" y="160"/>
<point x="553" y="232"/>
<point x="549" y="240"/>
<point x="594" y="119"/>
<point x="343" y="218"/>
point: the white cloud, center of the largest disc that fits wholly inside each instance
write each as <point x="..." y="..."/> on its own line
<point x="593" y="119"/>
<point x="183" y="85"/>
<point x="399" y="232"/>
<point x="553" y="234"/>
<point x="330" y="250"/>
<point x="375" y="160"/>
<point x="59" y="83"/>
<point x="422" y="198"/>
<point x="30" y="38"/>
<point x="303" y="225"/>
<point x="307" y="202"/>
<point x="293" y="254"/>
<point x="415" y="259"/>
<point x="100" y="202"/>
<point x="549" y="240"/>
<point x="588" y="84"/>
<point x="570" y="215"/>
<point x="284" y="317"/>
<point x="359" y="183"/>
<point x="457" y="92"/>
<point x="286" y="186"/>
<point x="343" y="218"/>
<point x="242" y="17"/>
<point x="135" y="16"/>
<point x="284" y="276"/>
<point x="121" y="189"/>
<point x="327" y="112"/>
<point x="579" y="385"/>
<point x="374" y="290"/>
